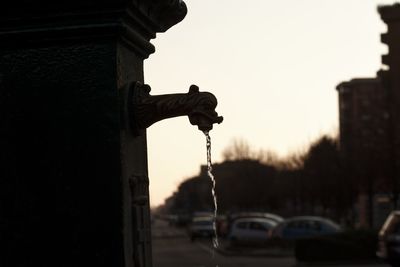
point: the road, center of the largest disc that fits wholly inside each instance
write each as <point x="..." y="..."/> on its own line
<point x="172" y="248"/>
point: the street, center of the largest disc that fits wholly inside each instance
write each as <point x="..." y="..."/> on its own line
<point x="172" y="248"/>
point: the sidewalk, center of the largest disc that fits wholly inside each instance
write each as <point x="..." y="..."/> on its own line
<point x="226" y="250"/>
<point x="371" y="263"/>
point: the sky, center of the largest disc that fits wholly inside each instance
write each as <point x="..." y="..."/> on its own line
<point x="273" y="66"/>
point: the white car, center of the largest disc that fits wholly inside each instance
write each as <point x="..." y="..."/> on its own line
<point x="250" y="230"/>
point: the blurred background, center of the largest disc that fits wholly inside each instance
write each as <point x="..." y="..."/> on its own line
<point x="273" y="66"/>
<point x="309" y="91"/>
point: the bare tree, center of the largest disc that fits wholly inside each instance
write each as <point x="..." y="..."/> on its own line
<point x="293" y="161"/>
<point x="268" y="157"/>
<point x="238" y="150"/>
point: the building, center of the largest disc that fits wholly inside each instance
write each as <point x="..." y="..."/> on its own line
<point x="391" y="81"/>
<point x="364" y="142"/>
<point x="369" y="112"/>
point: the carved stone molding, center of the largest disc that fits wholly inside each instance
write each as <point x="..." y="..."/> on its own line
<point x="139" y="185"/>
<point x="164" y="13"/>
<point x="133" y="22"/>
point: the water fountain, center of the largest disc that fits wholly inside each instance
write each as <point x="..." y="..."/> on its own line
<point x="73" y="114"/>
<point x="144" y="109"/>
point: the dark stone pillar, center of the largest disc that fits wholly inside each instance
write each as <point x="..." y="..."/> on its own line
<point x="73" y="180"/>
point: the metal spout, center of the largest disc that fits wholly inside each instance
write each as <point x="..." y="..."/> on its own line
<point x="146" y="109"/>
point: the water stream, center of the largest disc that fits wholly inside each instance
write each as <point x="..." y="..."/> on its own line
<point x="209" y="172"/>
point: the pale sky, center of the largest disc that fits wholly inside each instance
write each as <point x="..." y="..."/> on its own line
<point x="273" y="65"/>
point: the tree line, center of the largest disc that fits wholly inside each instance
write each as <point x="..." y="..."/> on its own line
<point x="315" y="182"/>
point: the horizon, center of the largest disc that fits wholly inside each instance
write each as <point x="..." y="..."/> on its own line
<point x="273" y="69"/>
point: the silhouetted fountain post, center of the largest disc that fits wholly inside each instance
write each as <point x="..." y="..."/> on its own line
<point x="73" y="179"/>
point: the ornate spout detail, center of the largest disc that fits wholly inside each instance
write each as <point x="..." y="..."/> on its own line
<point x="146" y="109"/>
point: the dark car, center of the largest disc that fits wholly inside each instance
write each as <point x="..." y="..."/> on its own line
<point x="201" y="227"/>
<point x="389" y="240"/>
<point x="303" y="227"/>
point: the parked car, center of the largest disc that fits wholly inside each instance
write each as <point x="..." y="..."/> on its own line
<point x="202" y="214"/>
<point x="304" y="226"/>
<point x="250" y="230"/>
<point x="265" y="215"/>
<point x="201" y="227"/>
<point x="389" y="239"/>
